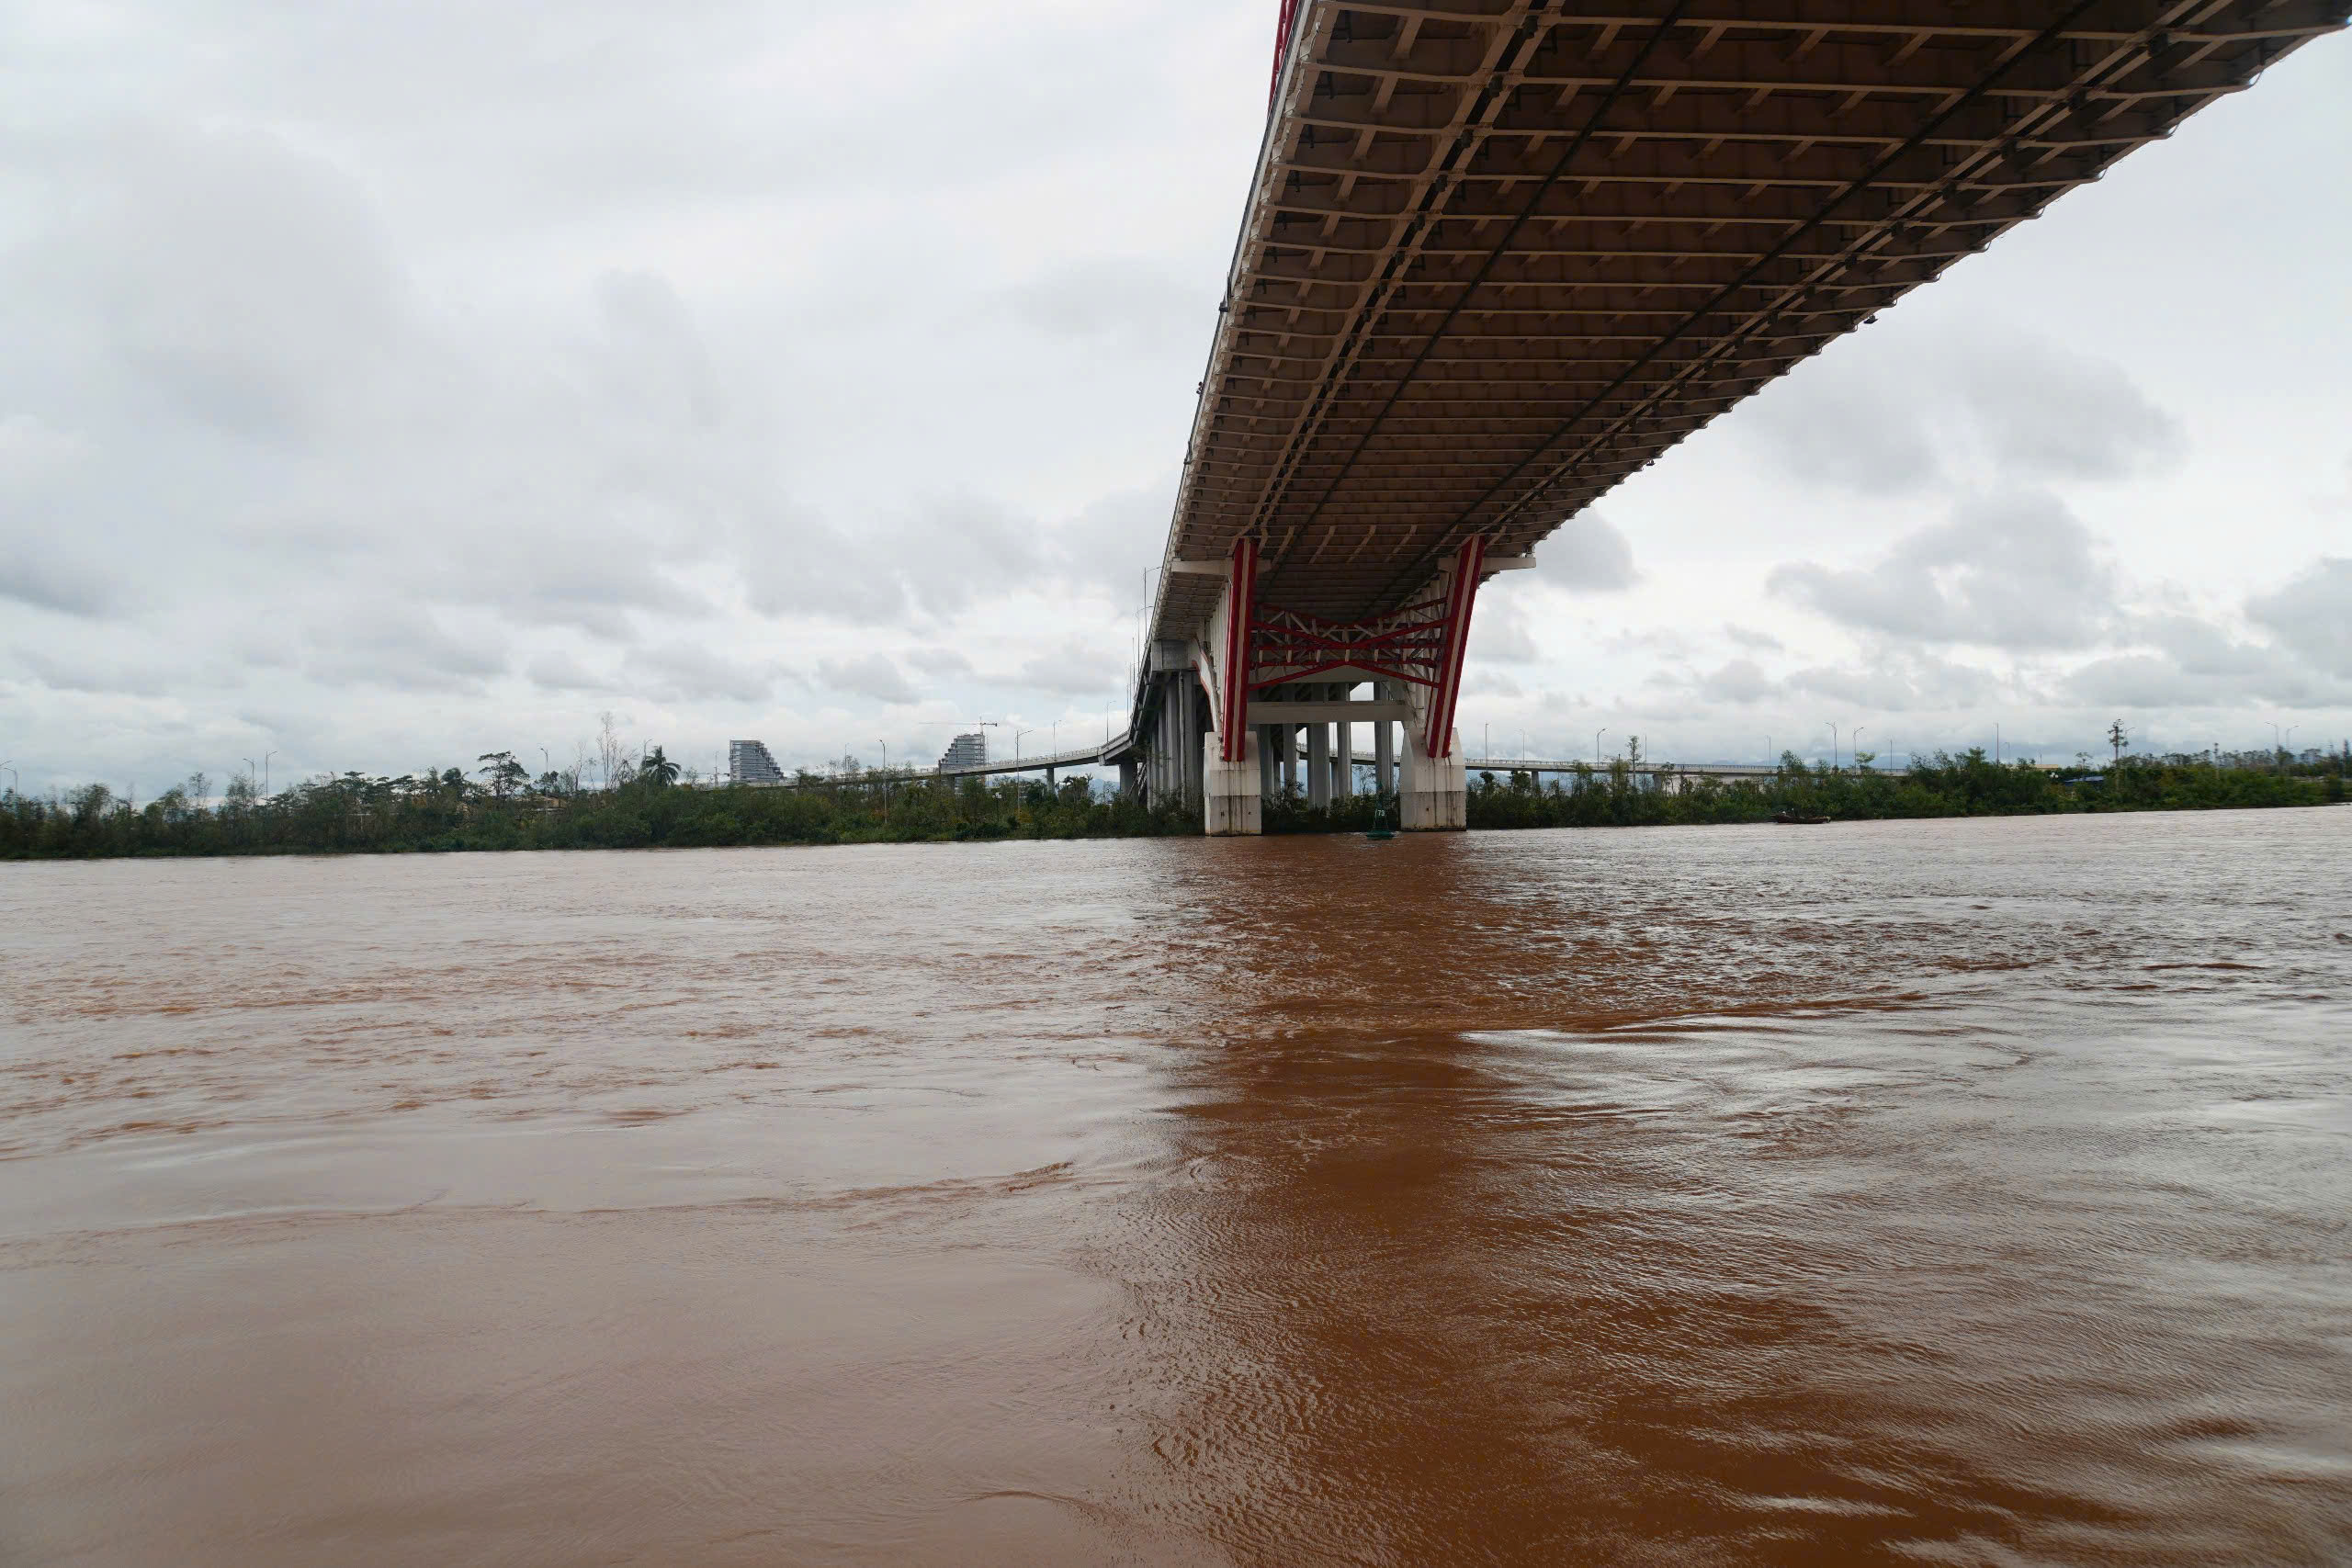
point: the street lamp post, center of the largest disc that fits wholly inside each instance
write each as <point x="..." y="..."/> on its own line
<point x="1595" y="746"/>
<point x="1858" y="746"/>
<point x="265" y="756"/>
<point x="1833" y="748"/>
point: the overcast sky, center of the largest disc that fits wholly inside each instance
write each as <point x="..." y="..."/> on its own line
<point x="383" y="385"/>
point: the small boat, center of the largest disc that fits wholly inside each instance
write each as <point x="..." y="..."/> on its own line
<point x="1799" y="818"/>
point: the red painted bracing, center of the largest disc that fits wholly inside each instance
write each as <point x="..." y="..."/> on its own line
<point x="1422" y="643"/>
<point x="1462" y="594"/>
<point x="1240" y="642"/>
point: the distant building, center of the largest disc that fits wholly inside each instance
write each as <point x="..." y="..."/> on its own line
<point x="967" y="751"/>
<point x="748" y="763"/>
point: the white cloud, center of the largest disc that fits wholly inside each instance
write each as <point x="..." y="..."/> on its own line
<point x="1075" y="669"/>
<point x="1499" y="632"/>
<point x="1978" y="407"/>
<point x="2312" y="614"/>
<point x="872" y="676"/>
<point x="692" y="671"/>
<point x="1740" y="681"/>
<point x="2017" y="571"/>
<point x="1588" y="554"/>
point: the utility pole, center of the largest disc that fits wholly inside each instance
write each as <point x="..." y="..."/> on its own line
<point x="2116" y="740"/>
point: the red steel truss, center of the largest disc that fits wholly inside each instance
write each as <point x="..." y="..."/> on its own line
<point x="1420" y="643"/>
<point x="1241" y="647"/>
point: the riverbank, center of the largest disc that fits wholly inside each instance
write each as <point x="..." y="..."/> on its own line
<point x="444" y="812"/>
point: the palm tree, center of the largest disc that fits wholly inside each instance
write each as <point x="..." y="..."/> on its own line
<point x="657" y="770"/>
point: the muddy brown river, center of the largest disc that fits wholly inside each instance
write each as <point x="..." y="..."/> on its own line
<point x="1951" y="1192"/>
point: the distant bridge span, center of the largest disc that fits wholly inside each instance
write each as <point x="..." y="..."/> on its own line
<point x="1499" y="255"/>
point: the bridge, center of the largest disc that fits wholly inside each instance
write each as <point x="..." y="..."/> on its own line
<point x="1120" y="751"/>
<point x="1499" y="255"/>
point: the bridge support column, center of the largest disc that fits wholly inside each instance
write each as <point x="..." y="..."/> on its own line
<point x="1383" y="757"/>
<point x="1435" y="794"/>
<point x="1270" y="777"/>
<point x="1128" y="777"/>
<point x="1232" y="804"/>
<point x="1188" y="748"/>
<point x="1343" y="761"/>
<point x="1290" y="759"/>
<point x="1318" y="766"/>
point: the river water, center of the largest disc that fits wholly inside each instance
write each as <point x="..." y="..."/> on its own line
<point x="1949" y="1193"/>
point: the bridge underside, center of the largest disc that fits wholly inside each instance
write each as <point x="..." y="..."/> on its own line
<point x="1501" y="254"/>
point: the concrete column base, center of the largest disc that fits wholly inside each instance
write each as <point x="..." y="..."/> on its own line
<point x="1433" y="795"/>
<point x="1232" y="805"/>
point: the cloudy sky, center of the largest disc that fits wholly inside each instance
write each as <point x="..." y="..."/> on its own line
<point x="384" y="385"/>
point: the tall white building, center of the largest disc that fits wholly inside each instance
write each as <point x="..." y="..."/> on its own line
<point x="966" y="750"/>
<point x="748" y="763"/>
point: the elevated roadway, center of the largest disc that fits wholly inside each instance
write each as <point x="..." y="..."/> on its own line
<point x="1499" y="255"/>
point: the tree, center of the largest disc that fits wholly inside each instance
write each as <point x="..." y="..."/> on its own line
<point x="657" y="770"/>
<point x="2117" y="739"/>
<point x="506" y="775"/>
<point x="612" y="752"/>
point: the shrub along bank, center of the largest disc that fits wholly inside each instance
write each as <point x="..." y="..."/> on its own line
<point x="446" y="811"/>
<point x="1968" y="785"/>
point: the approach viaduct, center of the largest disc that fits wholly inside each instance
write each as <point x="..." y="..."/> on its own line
<point x="1499" y="255"/>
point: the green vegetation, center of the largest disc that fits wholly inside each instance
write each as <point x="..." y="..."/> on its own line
<point x="1968" y="785"/>
<point x="503" y="809"/>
